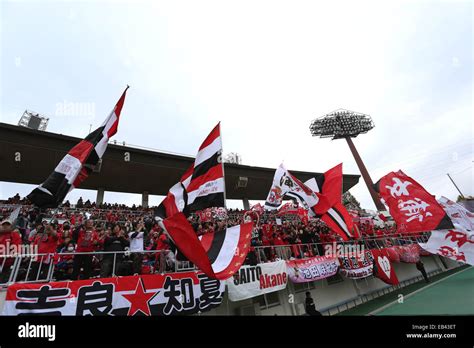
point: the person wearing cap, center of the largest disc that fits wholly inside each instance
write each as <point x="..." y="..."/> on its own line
<point x="8" y="239"/>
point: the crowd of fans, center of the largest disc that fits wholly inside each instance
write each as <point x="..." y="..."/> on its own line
<point x="90" y="240"/>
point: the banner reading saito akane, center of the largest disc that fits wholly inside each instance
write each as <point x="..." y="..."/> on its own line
<point x="252" y="281"/>
<point x="311" y="269"/>
<point x="167" y="294"/>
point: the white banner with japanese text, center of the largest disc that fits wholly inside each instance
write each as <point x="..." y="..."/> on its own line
<point x="157" y="294"/>
<point x="311" y="269"/>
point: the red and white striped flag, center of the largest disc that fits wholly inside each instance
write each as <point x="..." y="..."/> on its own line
<point x="202" y="185"/>
<point x="218" y="254"/>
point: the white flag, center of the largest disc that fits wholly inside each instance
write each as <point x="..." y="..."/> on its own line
<point x="285" y="184"/>
<point x="456" y="244"/>
<point x="457" y="213"/>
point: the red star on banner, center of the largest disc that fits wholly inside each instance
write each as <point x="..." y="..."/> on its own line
<point x="139" y="300"/>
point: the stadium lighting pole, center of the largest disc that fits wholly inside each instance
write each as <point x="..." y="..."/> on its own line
<point x="348" y="124"/>
<point x="365" y="175"/>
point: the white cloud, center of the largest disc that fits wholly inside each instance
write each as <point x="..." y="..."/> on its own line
<point x="455" y="62"/>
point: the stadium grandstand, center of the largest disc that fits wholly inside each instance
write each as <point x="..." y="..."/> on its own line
<point x="276" y="237"/>
<point x="84" y="240"/>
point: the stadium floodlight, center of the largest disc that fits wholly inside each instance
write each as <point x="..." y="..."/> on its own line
<point x="341" y="124"/>
<point x="33" y="120"/>
<point x="346" y="124"/>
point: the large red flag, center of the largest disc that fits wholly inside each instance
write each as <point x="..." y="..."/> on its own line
<point x="330" y="209"/>
<point x="411" y="206"/>
<point x="331" y="184"/>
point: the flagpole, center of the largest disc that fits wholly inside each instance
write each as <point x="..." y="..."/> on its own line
<point x="457" y="188"/>
<point x="223" y="171"/>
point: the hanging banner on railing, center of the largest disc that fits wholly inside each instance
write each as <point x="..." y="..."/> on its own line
<point x="357" y="265"/>
<point x="391" y="253"/>
<point x="252" y="281"/>
<point x="311" y="269"/>
<point x="408" y="253"/>
<point x="383" y="267"/>
<point x="167" y="294"/>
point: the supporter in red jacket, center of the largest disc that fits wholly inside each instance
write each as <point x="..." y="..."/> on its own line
<point x="162" y="243"/>
<point x="45" y="243"/>
<point x="277" y="240"/>
<point x="86" y="240"/>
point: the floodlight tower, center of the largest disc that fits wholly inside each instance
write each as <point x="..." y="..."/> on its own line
<point x="33" y="120"/>
<point x="347" y="124"/>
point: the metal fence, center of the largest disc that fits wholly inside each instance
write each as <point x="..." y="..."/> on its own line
<point x="30" y="268"/>
<point x="33" y="268"/>
<point x="285" y="252"/>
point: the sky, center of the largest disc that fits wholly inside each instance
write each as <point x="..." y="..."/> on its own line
<point x="265" y="69"/>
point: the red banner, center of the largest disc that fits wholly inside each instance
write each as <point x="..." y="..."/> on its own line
<point x="383" y="268"/>
<point x="410" y="205"/>
<point x="392" y="254"/>
<point x="408" y="253"/>
<point x="158" y="294"/>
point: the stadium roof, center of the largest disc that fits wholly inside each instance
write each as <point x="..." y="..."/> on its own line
<point x="151" y="171"/>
